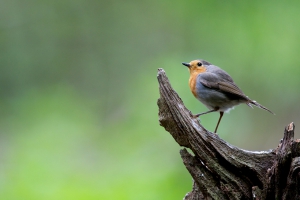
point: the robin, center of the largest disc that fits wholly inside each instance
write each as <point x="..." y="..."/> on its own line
<point x="215" y="89"/>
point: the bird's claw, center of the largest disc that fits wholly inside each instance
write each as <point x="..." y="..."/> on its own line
<point x="196" y="116"/>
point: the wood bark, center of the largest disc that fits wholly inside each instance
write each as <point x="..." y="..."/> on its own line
<point x="223" y="171"/>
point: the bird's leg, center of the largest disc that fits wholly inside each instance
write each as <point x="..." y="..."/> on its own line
<point x="195" y="116"/>
<point x="221" y="115"/>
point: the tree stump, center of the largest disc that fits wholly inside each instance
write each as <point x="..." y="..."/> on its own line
<point x="222" y="171"/>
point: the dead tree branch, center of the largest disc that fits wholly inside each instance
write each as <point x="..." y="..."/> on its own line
<point x="222" y="171"/>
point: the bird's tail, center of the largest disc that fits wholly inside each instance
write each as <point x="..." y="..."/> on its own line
<point x="258" y="105"/>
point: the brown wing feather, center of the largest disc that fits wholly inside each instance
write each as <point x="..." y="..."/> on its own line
<point x="213" y="81"/>
<point x="231" y="88"/>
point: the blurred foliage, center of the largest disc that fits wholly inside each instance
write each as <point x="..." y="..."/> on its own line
<point x="79" y="90"/>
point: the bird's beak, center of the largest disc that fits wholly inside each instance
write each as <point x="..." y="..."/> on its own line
<point x="186" y="64"/>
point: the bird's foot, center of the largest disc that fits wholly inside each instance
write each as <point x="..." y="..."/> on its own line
<point x="196" y="117"/>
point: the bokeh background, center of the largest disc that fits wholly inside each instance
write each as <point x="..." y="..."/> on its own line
<point x="78" y="90"/>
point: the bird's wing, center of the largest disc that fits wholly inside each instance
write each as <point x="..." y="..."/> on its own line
<point x="231" y="88"/>
<point x="213" y="81"/>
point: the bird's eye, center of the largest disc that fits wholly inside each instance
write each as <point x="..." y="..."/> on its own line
<point x="199" y="64"/>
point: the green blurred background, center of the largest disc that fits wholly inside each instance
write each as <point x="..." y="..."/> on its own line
<point x="79" y="118"/>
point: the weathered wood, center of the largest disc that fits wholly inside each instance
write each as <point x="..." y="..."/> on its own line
<point x="220" y="170"/>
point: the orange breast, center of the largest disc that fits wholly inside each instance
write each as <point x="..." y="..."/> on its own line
<point x="192" y="83"/>
<point x="193" y="79"/>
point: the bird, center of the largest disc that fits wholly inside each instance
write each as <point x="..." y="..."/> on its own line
<point x="215" y="88"/>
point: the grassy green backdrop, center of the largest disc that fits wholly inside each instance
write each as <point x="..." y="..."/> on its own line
<point x="78" y="90"/>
